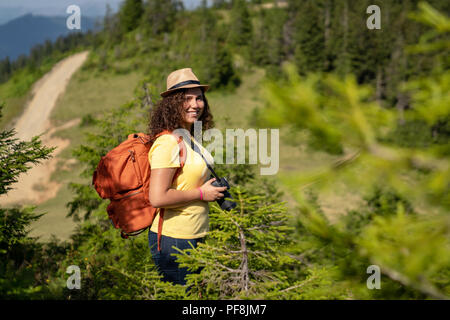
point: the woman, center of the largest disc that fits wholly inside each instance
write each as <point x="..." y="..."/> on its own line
<point x="184" y="197"/>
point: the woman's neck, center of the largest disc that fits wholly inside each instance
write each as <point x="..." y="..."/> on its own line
<point x="187" y="126"/>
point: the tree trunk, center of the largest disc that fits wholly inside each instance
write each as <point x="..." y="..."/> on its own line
<point x="327" y="34"/>
<point x="379" y="86"/>
<point x="402" y="102"/>
<point x="345" y="38"/>
<point x="244" y="263"/>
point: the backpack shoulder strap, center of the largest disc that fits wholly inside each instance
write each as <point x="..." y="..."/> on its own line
<point x="183" y="151"/>
<point x="181" y="145"/>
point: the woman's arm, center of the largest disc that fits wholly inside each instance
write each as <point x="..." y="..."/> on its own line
<point x="163" y="196"/>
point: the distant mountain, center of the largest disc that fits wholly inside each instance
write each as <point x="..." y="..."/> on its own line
<point x="10" y="10"/>
<point x="7" y="13"/>
<point x="18" y="36"/>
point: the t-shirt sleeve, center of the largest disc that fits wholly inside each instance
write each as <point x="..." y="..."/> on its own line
<point x="164" y="153"/>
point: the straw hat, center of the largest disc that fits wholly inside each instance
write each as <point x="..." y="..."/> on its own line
<point x="182" y="78"/>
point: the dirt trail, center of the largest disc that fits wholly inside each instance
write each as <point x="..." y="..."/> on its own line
<point x="34" y="186"/>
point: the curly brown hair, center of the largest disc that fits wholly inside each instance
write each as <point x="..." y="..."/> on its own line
<point x="168" y="114"/>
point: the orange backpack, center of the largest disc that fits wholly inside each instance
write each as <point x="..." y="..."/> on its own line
<point x="123" y="177"/>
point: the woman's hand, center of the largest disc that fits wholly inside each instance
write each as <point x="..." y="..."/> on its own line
<point x="161" y="195"/>
<point x="210" y="192"/>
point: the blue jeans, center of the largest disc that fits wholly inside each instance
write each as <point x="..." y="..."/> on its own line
<point x="164" y="260"/>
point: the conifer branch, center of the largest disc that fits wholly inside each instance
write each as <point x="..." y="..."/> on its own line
<point x="424" y="286"/>
<point x="263" y="226"/>
<point x="299" y="285"/>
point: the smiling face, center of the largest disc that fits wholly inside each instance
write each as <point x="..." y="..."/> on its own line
<point x="193" y="106"/>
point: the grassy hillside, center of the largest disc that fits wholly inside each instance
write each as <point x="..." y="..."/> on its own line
<point x="15" y="92"/>
<point x="86" y="94"/>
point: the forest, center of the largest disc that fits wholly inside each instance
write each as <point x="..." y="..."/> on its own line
<point x="368" y="110"/>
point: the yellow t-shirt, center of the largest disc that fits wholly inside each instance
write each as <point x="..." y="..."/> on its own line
<point x="191" y="220"/>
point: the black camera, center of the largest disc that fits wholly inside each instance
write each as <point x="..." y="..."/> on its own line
<point x="223" y="203"/>
<point x="219" y="182"/>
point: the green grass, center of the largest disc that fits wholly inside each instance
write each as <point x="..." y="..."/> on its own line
<point x="14" y="94"/>
<point x="54" y="222"/>
<point x="233" y="110"/>
<point x="92" y="94"/>
<point x="14" y="107"/>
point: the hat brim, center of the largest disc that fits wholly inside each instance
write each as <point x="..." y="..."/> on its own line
<point x="204" y="86"/>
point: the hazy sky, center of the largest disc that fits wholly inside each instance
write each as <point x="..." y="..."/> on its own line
<point x="10" y="9"/>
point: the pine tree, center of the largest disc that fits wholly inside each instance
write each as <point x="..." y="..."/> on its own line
<point x="268" y="43"/>
<point x="245" y="252"/>
<point x="130" y="15"/>
<point x="5" y="69"/>
<point x="111" y="27"/>
<point x="160" y="16"/>
<point x="16" y="157"/>
<point x="18" y="251"/>
<point x="240" y="24"/>
<point x="220" y="4"/>
<point x="218" y="70"/>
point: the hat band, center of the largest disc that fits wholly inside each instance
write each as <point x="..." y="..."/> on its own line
<point x="184" y="83"/>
